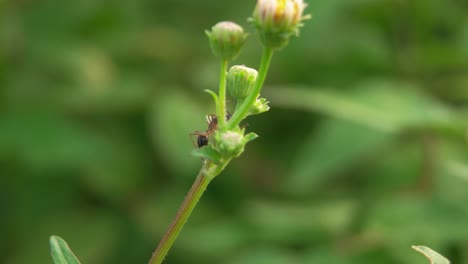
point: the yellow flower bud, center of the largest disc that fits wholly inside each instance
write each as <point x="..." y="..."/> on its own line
<point x="278" y="20"/>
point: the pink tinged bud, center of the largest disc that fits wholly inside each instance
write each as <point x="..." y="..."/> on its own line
<point x="230" y="143"/>
<point x="226" y="39"/>
<point x="278" y="20"/>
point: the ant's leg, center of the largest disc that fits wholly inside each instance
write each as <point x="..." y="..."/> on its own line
<point x="242" y="126"/>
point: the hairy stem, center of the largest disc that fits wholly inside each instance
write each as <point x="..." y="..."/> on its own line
<point x="241" y="112"/>
<point x="189" y="203"/>
<point x="222" y="96"/>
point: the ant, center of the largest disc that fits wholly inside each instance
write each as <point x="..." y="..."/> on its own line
<point x="203" y="136"/>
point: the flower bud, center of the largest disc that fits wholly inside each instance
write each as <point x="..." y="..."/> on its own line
<point x="230" y="144"/>
<point x="240" y="80"/>
<point x="278" y="20"/>
<point x="260" y="106"/>
<point x="226" y="39"/>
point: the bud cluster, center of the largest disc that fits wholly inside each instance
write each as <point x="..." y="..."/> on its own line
<point x="276" y="22"/>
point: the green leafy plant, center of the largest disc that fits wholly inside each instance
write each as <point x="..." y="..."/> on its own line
<point x="276" y="22"/>
<point x="225" y="139"/>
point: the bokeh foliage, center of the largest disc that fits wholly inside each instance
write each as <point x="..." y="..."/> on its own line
<point x="363" y="154"/>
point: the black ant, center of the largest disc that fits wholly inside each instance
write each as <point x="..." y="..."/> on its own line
<point x="203" y="136"/>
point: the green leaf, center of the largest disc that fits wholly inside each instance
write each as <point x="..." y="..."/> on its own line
<point x="61" y="252"/>
<point x="403" y="218"/>
<point x="250" y="136"/>
<point x="298" y="223"/>
<point x="207" y="152"/>
<point x="213" y="94"/>
<point x="334" y="146"/>
<point x="431" y="255"/>
<point x="382" y="105"/>
<point x="173" y="116"/>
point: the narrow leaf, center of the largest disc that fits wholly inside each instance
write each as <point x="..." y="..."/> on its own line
<point x="250" y="136"/>
<point x="213" y="94"/>
<point x="431" y="255"/>
<point x="207" y="152"/>
<point x="61" y="252"/>
<point x="383" y="105"/>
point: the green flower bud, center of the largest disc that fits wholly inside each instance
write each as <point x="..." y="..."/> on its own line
<point x="278" y="20"/>
<point x="226" y="39"/>
<point x="230" y="144"/>
<point x="260" y="106"/>
<point x="240" y="80"/>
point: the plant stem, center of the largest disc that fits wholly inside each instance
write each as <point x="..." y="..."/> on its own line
<point x="190" y="201"/>
<point x="222" y="96"/>
<point x="242" y="111"/>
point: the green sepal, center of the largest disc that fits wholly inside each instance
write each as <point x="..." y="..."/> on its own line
<point x="207" y="152"/>
<point x="61" y="252"/>
<point x="260" y="106"/>
<point x="431" y="255"/>
<point x="213" y="94"/>
<point x="249" y="137"/>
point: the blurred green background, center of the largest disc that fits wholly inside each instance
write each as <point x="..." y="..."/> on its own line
<point x="363" y="154"/>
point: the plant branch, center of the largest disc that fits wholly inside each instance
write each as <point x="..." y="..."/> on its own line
<point x="243" y="110"/>
<point x="222" y="96"/>
<point x="189" y="203"/>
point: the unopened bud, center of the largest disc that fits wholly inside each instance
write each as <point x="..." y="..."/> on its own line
<point x="278" y="20"/>
<point x="230" y="143"/>
<point x="226" y="39"/>
<point x="260" y="106"/>
<point x="240" y="80"/>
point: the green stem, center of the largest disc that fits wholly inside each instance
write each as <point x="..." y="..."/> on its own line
<point x="222" y="96"/>
<point x="210" y="170"/>
<point x="189" y="203"/>
<point x="242" y="111"/>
